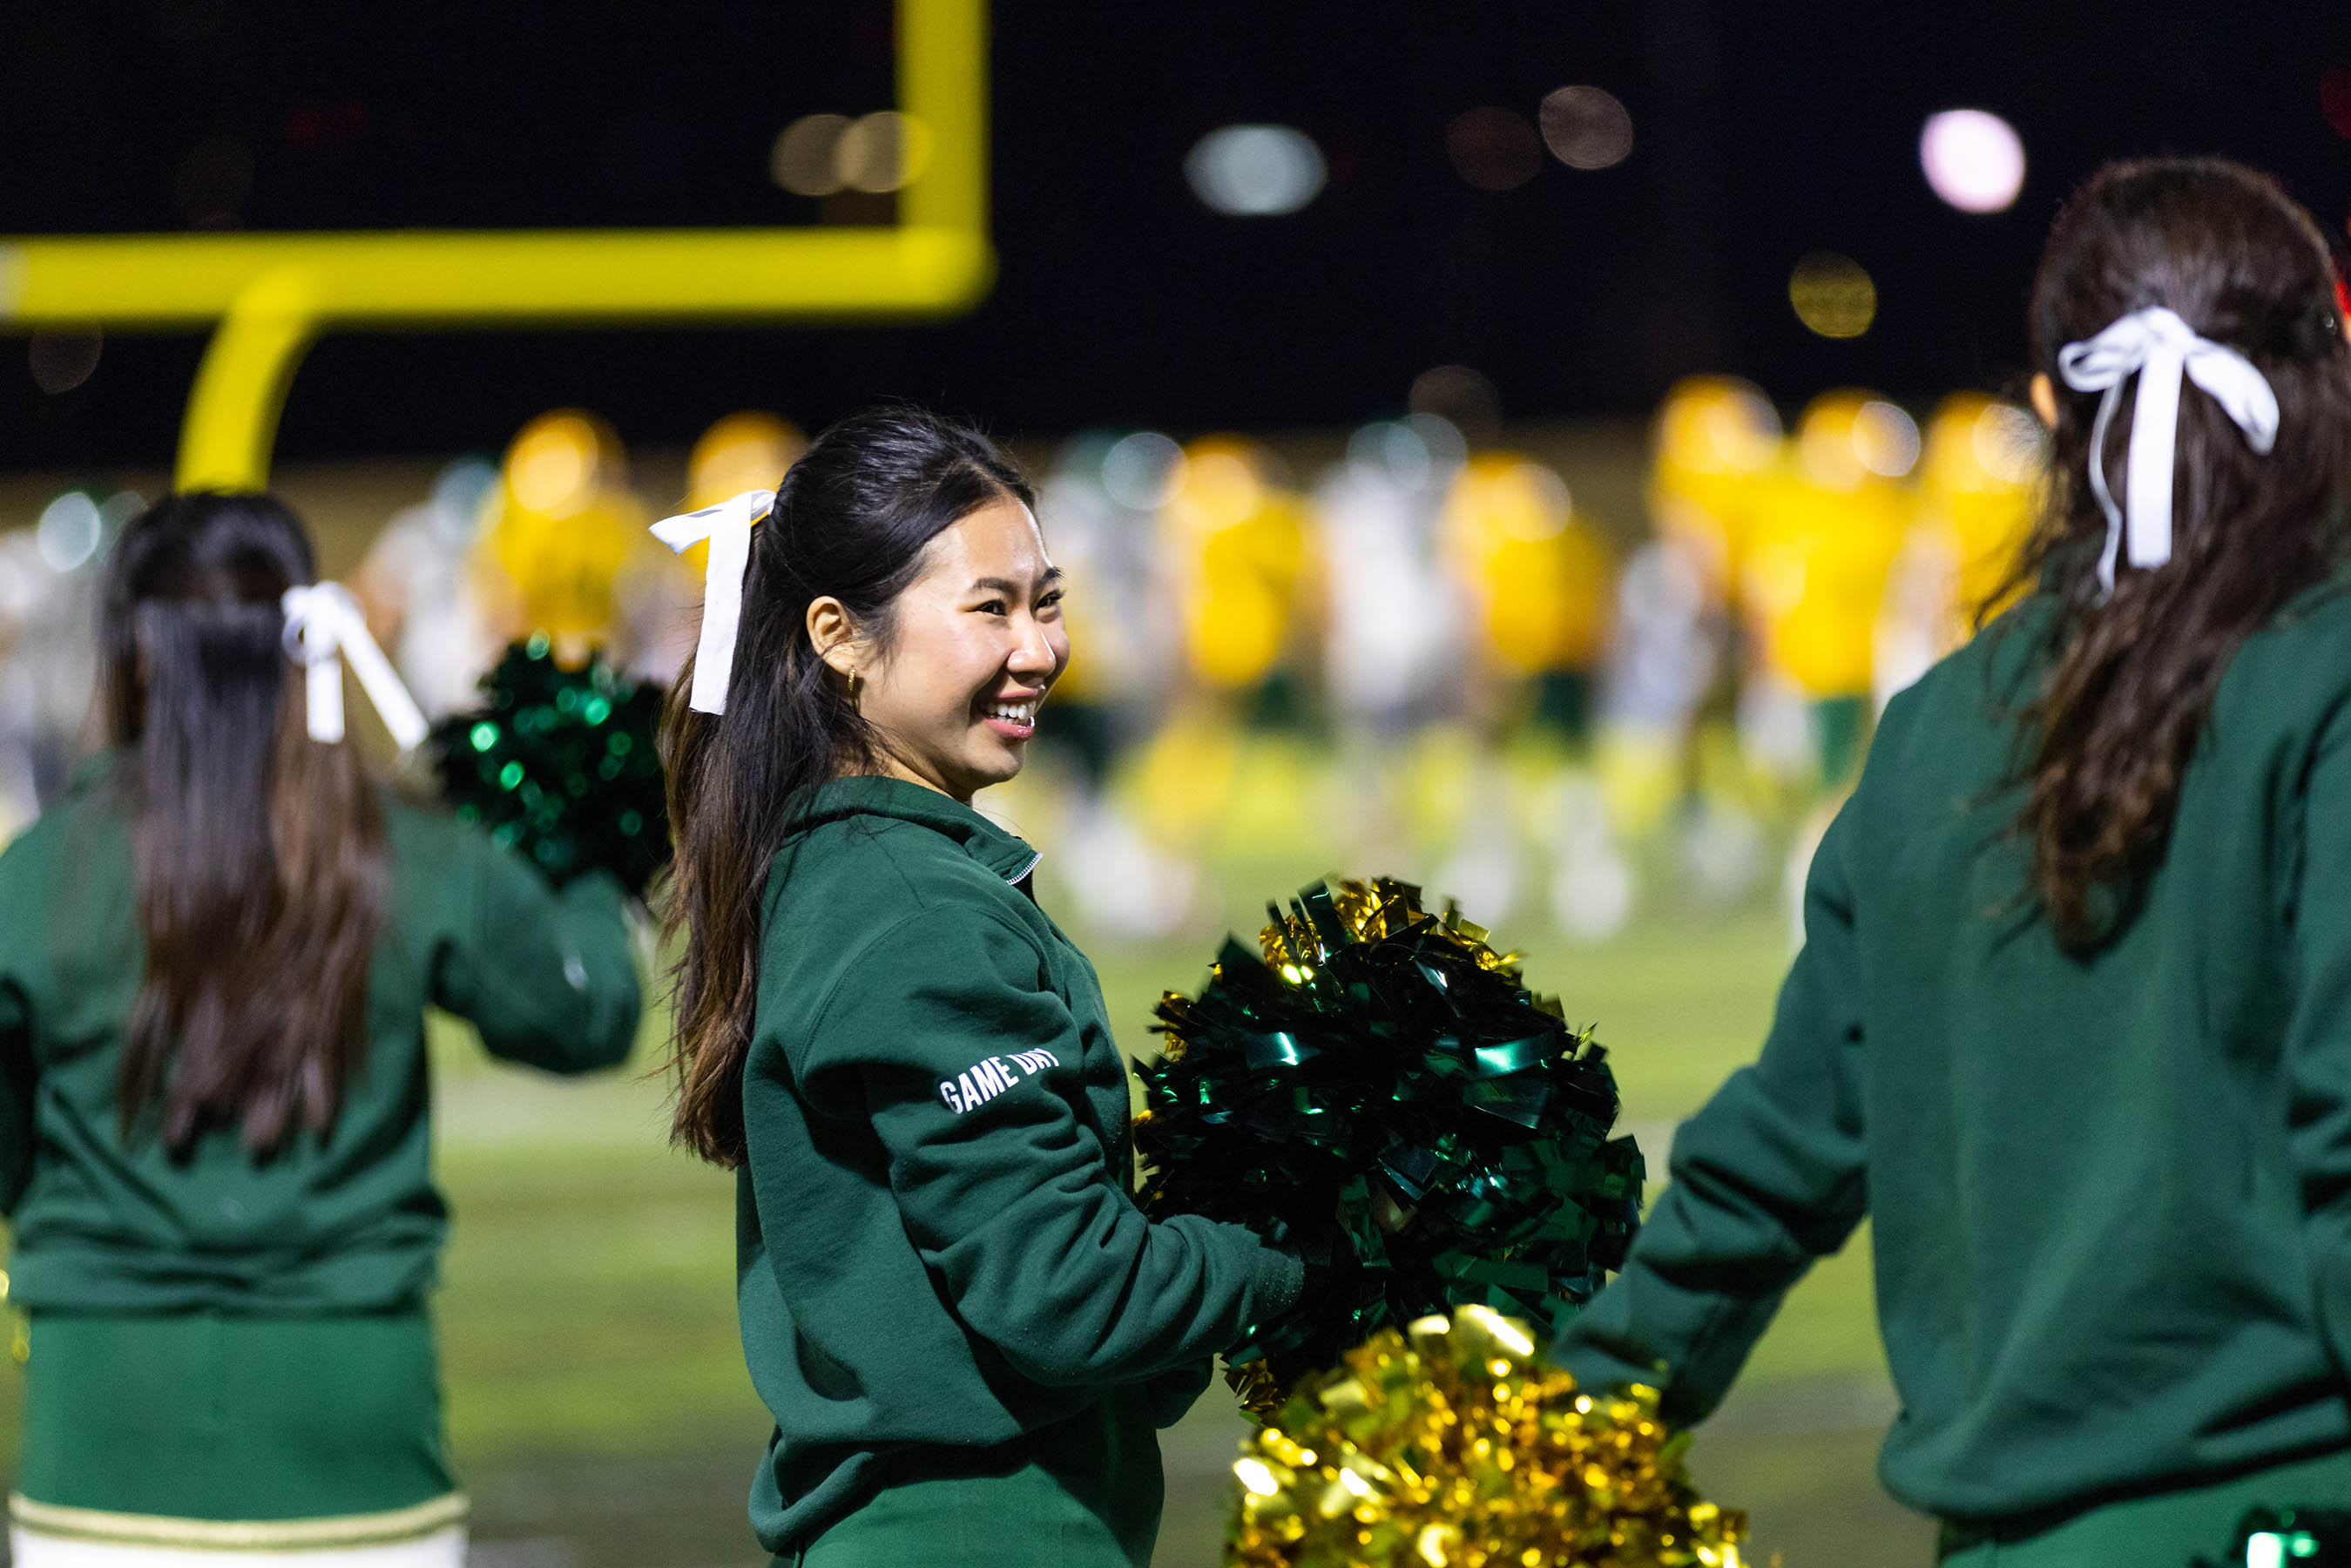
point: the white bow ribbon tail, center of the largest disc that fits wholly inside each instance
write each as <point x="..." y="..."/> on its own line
<point x="2159" y="347"/>
<point x="324" y="626"/>
<point x="727" y="526"/>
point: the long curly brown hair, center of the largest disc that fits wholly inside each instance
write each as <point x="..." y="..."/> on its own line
<point x="2134" y="672"/>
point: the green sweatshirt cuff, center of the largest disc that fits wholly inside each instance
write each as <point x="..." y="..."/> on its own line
<point x="1277" y="1281"/>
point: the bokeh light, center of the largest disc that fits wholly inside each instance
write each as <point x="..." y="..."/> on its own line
<point x="1418" y="452"/>
<point x="882" y="153"/>
<point x="802" y="160"/>
<point x="68" y="531"/>
<point x="1847" y="438"/>
<point x="823" y="154"/>
<point x="1886" y="439"/>
<point x="1586" y="127"/>
<point x="1974" y="160"/>
<point x="1255" y="171"/>
<point x="1141" y="471"/>
<point x="62" y="361"/>
<point x="1832" y="294"/>
<point x="1461" y="395"/>
<point x="2335" y="98"/>
<point x="1492" y="148"/>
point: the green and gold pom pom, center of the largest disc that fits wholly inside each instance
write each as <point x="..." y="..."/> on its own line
<point x="1454" y="1444"/>
<point x="560" y="765"/>
<point x="1377" y="1090"/>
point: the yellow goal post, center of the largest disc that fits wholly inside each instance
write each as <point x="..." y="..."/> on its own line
<point x="273" y="293"/>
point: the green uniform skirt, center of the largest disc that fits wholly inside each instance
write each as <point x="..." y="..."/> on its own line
<point x="2170" y="1530"/>
<point x="1084" y="1494"/>
<point x="198" y="1415"/>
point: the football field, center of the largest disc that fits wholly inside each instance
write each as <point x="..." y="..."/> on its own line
<point x="597" y="1400"/>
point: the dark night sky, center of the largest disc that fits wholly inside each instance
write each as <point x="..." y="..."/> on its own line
<point x="1763" y="130"/>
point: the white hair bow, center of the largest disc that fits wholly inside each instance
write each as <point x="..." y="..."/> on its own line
<point x="727" y="526"/>
<point x="2161" y="349"/>
<point x="323" y="622"/>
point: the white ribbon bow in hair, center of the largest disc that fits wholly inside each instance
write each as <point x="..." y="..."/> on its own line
<point x="727" y="526"/>
<point x="2159" y="347"/>
<point x="322" y="622"/>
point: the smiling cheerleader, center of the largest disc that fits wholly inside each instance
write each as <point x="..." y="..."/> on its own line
<point x="965" y="1329"/>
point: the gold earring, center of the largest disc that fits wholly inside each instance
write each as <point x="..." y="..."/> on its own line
<point x="852" y="685"/>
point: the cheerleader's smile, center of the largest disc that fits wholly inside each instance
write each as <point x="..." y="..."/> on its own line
<point x="1015" y="717"/>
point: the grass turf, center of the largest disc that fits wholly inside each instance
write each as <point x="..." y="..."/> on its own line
<point x="588" y="1320"/>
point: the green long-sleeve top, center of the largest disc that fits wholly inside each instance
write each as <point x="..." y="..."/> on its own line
<point x="346" y="1222"/>
<point x="938" y="1248"/>
<point x="2110" y="1197"/>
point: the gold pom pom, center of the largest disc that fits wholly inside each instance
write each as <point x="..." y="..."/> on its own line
<point x="1456" y="1446"/>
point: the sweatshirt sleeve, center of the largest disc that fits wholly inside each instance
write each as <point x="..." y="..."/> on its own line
<point x="1770" y="1176"/>
<point x="547" y="975"/>
<point x="2318" y="1050"/>
<point x="969" y="1066"/>
<point x="1170" y="1394"/>
<point x="17" y="1088"/>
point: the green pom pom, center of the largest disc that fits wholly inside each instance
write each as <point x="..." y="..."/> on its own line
<point x="562" y="766"/>
<point x="1380" y="1092"/>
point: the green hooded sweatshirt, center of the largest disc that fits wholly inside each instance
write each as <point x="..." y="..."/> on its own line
<point x="941" y="1268"/>
<point x="2110" y="1193"/>
<point x="350" y="1222"/>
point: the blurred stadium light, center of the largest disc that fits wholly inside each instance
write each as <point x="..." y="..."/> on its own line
<point x="1587" y="127"/>
<point x="1255" y="171"/>
<point x="1832" y="294"/>
<point x="272" y="294"/>
<point x="1974" y="160"/>
<point x="1494" y="149"/>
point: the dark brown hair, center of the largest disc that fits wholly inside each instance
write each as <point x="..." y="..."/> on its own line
<point x="258" y="853"/>
<point x="2133" y="673"/>
<point x="851" y="519"/>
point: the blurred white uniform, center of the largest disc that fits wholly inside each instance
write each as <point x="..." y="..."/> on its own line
<point x="1396" y="617"/>
<point x="417" y="578"/>
<point x="48" y="651"/>
<point x="1125" y="636"/>
<point x="1126" y="647"/>
<point x="1666" y="646"/>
